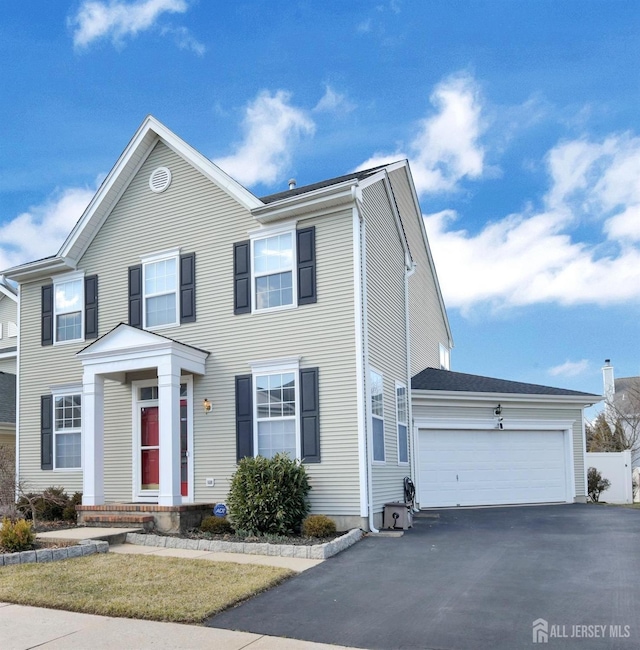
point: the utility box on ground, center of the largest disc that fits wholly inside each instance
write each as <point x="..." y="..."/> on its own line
<point x="398" y="516"/>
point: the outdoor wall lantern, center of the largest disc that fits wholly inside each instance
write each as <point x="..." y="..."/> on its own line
<point x="206" y="405"/>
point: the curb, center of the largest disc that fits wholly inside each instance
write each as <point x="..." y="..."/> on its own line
<point x="85" y="547"/>
<point x="314" y="552"/>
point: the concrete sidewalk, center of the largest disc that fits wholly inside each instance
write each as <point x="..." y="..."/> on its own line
<point x="23" y="628"/>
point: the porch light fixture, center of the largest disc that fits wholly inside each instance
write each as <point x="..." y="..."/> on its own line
<point x="206" y="405"/>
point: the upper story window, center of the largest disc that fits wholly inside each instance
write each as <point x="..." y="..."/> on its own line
<point x="273" y="261"/>
<point x="377" y="415"/>
<point x="161" y="292"/>
<point x="445" y="358"/>
<point x="68" y="306"/>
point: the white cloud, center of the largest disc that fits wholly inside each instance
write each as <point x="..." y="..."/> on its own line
<point x="533" y="257"/>
<point x="570" y="368"/>
<point x="334" y="102"/>
<point x="446" y="147"/>
<point x="184" y="39"/>
<point x="272" y="127"/>
<point x="40" y="231"/>
<point x="116" y="19"/>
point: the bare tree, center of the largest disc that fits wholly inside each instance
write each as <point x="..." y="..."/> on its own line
<point x="622" y="413"/>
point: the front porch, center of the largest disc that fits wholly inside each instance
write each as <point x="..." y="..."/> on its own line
<point x="164" y="519"/>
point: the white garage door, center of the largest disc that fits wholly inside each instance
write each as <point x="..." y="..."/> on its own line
<point x="464" y="468"/>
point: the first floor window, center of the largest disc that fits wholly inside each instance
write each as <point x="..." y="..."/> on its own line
<point x="276" y="414"/>
<point x="402" y="417"/>
<point x="377" y="415"/>
<point x="67" y="422"/>
<point x="68" y="304"/>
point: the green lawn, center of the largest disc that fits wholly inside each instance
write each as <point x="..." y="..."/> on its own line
<point x="137" y="586"/>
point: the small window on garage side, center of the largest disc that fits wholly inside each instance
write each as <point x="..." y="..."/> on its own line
<point x="402" y="418"/>
<point x="377" y="415"/>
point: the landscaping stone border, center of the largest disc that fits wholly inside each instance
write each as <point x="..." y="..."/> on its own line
<point x="311" y="552"/>
<point x="85" y="547"/>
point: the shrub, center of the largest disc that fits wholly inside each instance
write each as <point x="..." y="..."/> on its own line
<point x="318" y="526"/>
<point x="48" y="505"/>
<point x="596" y="484"/>
<point x="216" y="525"/>
<point x="16" y="536"/>
<point x="69" y="513"/>
<point x="269" y="495"/>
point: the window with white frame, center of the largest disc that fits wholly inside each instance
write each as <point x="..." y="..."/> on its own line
<point x="377" y="415"/>
<point x="67" y="423"/>
<point x="273" y="277"/>
<point x="402" y="418"/>
<point x="445" y="357"/>
<point x="68" y="309"/>
<point x="160" y="282"/>
<point x="275" y="414"/>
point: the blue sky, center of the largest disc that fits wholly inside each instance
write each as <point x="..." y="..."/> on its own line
<point x="520" y="121"/>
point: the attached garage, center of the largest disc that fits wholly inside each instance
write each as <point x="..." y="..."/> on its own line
<point x="484" y="441"/>
<point x="495" y="467"/>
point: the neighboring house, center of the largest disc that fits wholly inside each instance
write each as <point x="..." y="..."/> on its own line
<point x="8" y="326"/>
<point x="7" y="410"/>
<point x="622" y="403"/>
<point x="186" y="323"/>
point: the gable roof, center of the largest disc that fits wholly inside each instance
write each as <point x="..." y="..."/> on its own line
<point x="445" y="380"/>
<point x="6" y="289"/>
<point x="7" y="398"/>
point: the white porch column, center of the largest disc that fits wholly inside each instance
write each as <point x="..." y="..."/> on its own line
<point x="169" y="416"/>
<point x="92" y="439"/>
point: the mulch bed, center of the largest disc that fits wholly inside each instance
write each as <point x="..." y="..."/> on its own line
<point x="295" y="540"/>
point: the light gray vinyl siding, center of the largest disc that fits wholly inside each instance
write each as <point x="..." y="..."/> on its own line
<point x="196" y="215"/>
<point x="427" y="325"/>
<point x="520" y="412"/>
<point x="8" y="312"/>
<point x="385" y="295"/>
<point x="8" y="365"/>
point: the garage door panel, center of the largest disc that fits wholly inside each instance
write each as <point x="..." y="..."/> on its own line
<point x="491" y="467"/>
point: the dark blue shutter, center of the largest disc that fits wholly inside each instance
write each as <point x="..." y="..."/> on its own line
<point x="188" y="288"/>
<point x="241" y="278"/>
<point x="135" y="296"/>
<point x="46" y="432"/>
<point x="91" y="307"/>
<point x="244" y="416"/>
<point x="309" y="416"/>
<point x="47" y="315"/>
<point x="306" y="239"/>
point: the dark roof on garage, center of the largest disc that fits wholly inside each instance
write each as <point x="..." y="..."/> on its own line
<point x="7" y="397"/>
<point x="446" y="380"/>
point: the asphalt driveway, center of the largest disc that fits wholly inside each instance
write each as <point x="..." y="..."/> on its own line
<point x="469" y="579"/>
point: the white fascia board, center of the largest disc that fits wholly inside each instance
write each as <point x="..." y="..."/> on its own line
<point x="118" y="179"/>
<point x="8" y="293"/>
<point x="316" y="200"/>
<point x="9" y="355"/>
<point x="475" y="424"/>
<point x="441" y="397"/>
<point x="39" y="269"/>
<point x="404" y="164"/>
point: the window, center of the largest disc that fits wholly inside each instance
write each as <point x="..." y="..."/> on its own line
<point x="402" y="418"/>
<point x="67" y="421"/>
<point x="160" y="292"/>
<point x="445" y="357"/>
<point x="273" y="260"/>
<point x="68" y="309"/>
<point x="275" y="400"/>
<point x="12" y="330"/>
<point x="377" y="415"/>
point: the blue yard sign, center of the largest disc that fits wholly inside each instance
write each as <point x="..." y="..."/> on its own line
<point x="220" y="510"/>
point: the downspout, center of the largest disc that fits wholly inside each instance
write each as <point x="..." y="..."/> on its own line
<point x="410" y="270"/>
<point x="17" y="476"/>
<point x="365" y="349"/>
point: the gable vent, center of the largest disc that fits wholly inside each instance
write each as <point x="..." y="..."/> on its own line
<point x="160" y="179"/>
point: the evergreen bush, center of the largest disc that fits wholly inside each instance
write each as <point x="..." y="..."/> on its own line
<point x="16" y="535"/>
<point x="318" y="526"/>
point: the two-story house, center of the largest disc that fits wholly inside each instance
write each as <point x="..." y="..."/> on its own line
<point x="186" y="323"/>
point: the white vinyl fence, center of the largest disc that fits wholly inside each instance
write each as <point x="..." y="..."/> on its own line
<point x="616" y="467"/>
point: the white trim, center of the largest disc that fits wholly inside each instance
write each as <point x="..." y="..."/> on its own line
<point x="361" y="401"/>
<point x="274" y="365"/>
<point x="9" y="355"/>
<point x="66" y="389"/>
<point x="405" y="423"/>
<point x="279" y="228"/>
<point x="7" y="292"/>
<point x="73" y="391"/>
<point x="446" y="353"/>
<point x="156" y="258"/>
<point x="160" y="255"/>
<point x="18" y="394"/>
<point x="439" y="397"/>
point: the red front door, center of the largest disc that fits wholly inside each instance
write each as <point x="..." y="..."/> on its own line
<point x="149" y="448"/>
